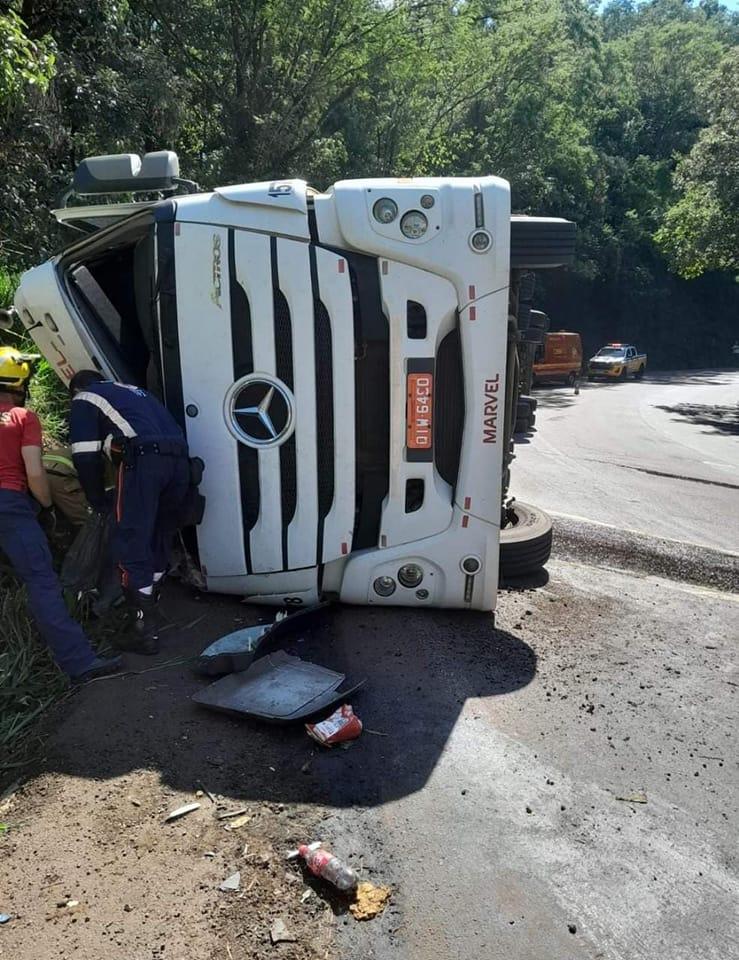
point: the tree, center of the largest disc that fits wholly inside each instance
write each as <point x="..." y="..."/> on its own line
<point x="701" y="229"/>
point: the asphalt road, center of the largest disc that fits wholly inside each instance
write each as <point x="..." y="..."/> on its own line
<point x="566" y="789"/>
<point x="660" y="456"/>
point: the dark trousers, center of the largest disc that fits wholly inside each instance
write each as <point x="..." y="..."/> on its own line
<point x="150" y="497"/>
<point x="24" y="543"/>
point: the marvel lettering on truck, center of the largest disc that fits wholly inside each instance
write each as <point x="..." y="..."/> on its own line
<point x="341" y="362"/>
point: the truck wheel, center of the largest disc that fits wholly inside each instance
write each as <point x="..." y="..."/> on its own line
<point x="526" y="543"/>
<point x="639" y="373"/>
<point x="624" y="374"/>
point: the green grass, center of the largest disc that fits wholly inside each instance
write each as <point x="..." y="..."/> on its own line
<point x="29" y="680"/>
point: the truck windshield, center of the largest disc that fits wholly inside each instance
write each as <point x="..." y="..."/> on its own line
<point x="111" y="280"/>
<point x="611" y="352"/>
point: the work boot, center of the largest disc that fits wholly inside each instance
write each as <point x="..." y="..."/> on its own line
<point x="145" y="620"/>
<point x="100" y="667"/>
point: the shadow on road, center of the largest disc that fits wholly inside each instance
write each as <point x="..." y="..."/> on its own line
<point x="420" y="668"/>
<point x="719" y="419"/>
<point x="718" y="377"/>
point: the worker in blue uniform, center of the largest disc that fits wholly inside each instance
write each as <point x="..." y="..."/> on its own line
<point x="21" y="536"/>
<point x="149" y="450"/>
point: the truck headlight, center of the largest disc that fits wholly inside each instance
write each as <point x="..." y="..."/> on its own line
<point x="385" y="210"/>
<point x="414" y="224"/>
<point x="384" y="586"/>
<point x="410" y="575"/>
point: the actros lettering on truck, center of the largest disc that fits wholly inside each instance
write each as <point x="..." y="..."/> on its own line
<point x="215" y="295"/>
<point x="490" y="414"/>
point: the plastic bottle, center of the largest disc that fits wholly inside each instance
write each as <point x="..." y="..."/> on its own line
<point x="322" y="863"/>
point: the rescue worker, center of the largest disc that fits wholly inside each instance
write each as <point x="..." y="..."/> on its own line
<point x="21" y="537"/>
<point x="66" y="492"/>
<point x="149" y="449"/>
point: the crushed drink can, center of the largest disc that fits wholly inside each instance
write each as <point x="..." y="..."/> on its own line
<point x="343" y="725"/>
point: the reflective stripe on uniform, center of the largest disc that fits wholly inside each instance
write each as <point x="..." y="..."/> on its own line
<point x="108" y="410"/>
<point x="86" y="446"/>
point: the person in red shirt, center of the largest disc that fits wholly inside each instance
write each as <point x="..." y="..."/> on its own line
<point x="21" y="537"/>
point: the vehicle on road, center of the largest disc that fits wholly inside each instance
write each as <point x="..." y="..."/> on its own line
<point x="344" y="364"/>
<point x="559" y="358"/>
<point x="616" y="361"/>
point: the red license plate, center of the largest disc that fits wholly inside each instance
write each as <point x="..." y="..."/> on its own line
<point x="419" y="433"/>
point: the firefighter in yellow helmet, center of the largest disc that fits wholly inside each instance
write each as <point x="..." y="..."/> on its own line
<point x="21" y="536"/>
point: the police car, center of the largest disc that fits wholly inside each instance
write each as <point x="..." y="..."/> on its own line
<point x="343" y="362"/>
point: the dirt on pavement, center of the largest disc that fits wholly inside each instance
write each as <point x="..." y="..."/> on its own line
<point x="447" y="712"/>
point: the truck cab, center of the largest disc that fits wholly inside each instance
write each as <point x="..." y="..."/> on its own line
<point x="338" y="360"/>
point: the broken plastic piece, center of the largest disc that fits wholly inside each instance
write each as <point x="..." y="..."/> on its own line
<point x="233" y="652"/>
<point x="5" y="917"/>
<point x="231" y="883"/>
<point x="277" y="688"/>
<point x="278" y="933"/>
<point x="181" y="811"/>
<point x="236" y="651"/>
<point x="343" y="725"/>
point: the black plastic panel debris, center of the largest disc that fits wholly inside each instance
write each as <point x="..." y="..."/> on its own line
<point x="277" y="688"/>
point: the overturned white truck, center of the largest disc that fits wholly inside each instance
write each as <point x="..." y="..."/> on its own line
<point x="344" y="363"/>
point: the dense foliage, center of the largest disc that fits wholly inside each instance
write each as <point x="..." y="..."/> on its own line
<point x="624" y="119"/>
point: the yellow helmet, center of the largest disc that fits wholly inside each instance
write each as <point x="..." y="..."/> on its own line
<point x="15" y="370"/>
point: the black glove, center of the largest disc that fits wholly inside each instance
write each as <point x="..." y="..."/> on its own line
<point x="47" y="520"/>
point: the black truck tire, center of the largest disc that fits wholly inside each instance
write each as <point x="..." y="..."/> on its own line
<point x="525" y="546"/>
<point x="639" y="373"/>
<point x="541" y="242"/>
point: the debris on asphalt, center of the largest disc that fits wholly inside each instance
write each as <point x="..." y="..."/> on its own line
<point x="231" y="883"/>
<point x="238" y="821"/>
<point x="307" y="894"/>
<point x="181" y="812"/>
<point x="322" y="863"/>
<point x="230" y="814"/>
<point x="278" y="933"/>
<point x="638" y="797"/>
<point x="235" y="652"/>
<point x="5" y="917"/>
<point x="232" y="653"/>
<point x="343" y="725"/>
<point x="572" y="928"/>
<point x="369" y="901"/>
<point x="206" y="791"/>
<point x="135" y="801"/>
<point x="209" y="854"/>
<point x="277" y="688"/>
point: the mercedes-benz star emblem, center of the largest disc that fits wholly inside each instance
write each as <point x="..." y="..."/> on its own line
<point x="259" y="411"/>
